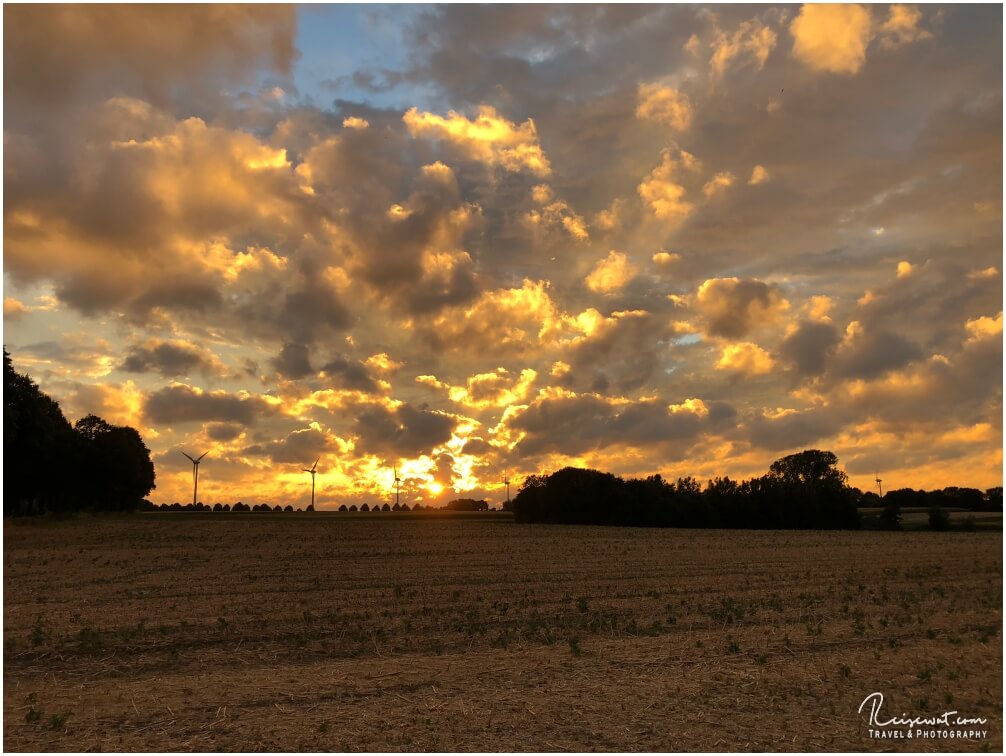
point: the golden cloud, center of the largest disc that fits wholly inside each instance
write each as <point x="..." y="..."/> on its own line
<point x="487" y="137"/>
<point x="750" y="44"/>
<point x="665" y="105"/>
<point x="759" y="175"/>
<point x="611" y="273"/>
<point x="731" y="307"/>
<point x="985" y="327"/>
<point x="745" y="358"/>
<point x="495" y="389"/>
<point x="831" y="38"/>
<point x="661" y="192"/>
<point x="902" y="27"/>
<point x="718" y="184"/>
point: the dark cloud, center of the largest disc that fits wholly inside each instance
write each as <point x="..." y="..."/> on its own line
<point x="874" y="353"/>
<point x="792" y="430"/>
<point x="403" y="431"/>
<point x="808" y="347"/>
<point x="224" y="431"/>
<point x="293" y="361"/>
<point x="351" y="375"/>
<point x="301" y="447"/>
<point x="732" y="307"/>
<point x="54" y="54"/>
<point x="313" y="309"/>
<point x="179" y="403"/>
<point x="576" y="424"/>
<point x="623" y="355"/>
<point x="168" y="359"/>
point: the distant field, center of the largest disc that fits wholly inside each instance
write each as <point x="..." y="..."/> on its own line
<point x="390" y="632"/>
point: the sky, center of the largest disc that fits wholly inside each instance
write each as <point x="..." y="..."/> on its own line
<point x="477" y="241"/>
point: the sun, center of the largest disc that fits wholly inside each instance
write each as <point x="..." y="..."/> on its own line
<point x="434" y="488"/>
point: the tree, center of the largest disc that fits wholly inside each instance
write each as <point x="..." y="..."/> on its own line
<point x="38" y="441"/>
<point x="117" y="469"/>
<point x="811" y="468"/>
<point x="938" y="518"/>
<point x="812" y="491"/>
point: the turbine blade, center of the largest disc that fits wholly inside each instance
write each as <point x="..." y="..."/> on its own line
<point x="202" y="455"/>
<point x="189" y="458"/>
<point x="315" y="465"/>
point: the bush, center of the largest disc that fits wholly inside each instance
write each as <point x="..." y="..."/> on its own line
<point x="938" y="518"/>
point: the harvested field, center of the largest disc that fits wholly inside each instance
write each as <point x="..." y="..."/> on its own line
<point x="327" y="632"/>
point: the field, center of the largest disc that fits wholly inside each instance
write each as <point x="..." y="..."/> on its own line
<point x="326" y="632"/>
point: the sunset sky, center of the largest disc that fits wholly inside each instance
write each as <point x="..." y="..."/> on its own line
<point x="463" y="240"/>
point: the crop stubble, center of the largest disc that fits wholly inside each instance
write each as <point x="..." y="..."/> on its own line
<point x="314" y="632"/>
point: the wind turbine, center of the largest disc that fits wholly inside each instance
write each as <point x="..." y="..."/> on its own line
<point x="506" y="482"/>
<point x="397" y="482"/>
<point x="880" y="487"/>
<point x="195" y="474"/>
<point x="313" y="470"/>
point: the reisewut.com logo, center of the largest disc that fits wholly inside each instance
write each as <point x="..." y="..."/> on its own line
<point x="945" y="726"/>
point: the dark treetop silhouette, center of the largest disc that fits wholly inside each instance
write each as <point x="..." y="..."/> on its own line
<point x="51" y="466"/>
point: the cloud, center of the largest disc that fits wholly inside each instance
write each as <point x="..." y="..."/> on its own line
<point x="871" y="353"/>
<point x="791" y="429"/>
<point x="557" y="214"/>
<point x="807" y="348"/>
<point x="985" y="327"/>
<point x="180" y="403"/>
<point x="513" y="319"/>
<point x="611" y="274"/>
<point x="622" y="352"/>
<point x="732" y="307"/>
<point x="665" y="105"/>
<point x="353" y="375"/>
<point x="666" y="198"/>
<point x="14" y="309"/>
<point x="718" y="184"/>
<point x="831" y="38"/>
<point x="749" y="45"/>
<point x="564" y="422"/>
<point x="58" y="53"/>
<point x="498" y="388"/>
<point x="170" y="359"/>
<point x="745" y="358"/>
<point x="902" y="27"/>
<point x="300" y="447"/>
<point x="486" y="137"/>
<point x="759" y="175"/>
<point x="403" y="431"/>
<point x="293" y="361"/>
<point x="354" y="122"/>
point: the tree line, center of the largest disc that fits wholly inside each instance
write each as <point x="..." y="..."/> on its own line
<point x="53" y="466"/>
<point x="806" y="490"/>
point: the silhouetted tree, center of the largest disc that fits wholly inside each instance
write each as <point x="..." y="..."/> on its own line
<point x="365" y="507"/>
<point x="938" y="518"/>
<point x="343" y="508"/>
<point x="993" y="499"/>
<point x="116" y="468"/>
<point x="468" y="505"/>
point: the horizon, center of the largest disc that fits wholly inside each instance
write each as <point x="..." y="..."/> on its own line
<point x="465" y="241"/>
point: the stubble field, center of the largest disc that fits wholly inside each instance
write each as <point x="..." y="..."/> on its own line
<point x="328" y="632"/>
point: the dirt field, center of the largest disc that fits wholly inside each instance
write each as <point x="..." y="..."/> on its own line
<point x="328" y="632"/>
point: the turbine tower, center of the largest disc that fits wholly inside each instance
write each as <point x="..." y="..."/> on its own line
<point x="397" y="483"/>
<point x="313" y="470"/>
<point x="880" y="487"/>
<point x="195" y="474"/>
<point x="506" y="482"/>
